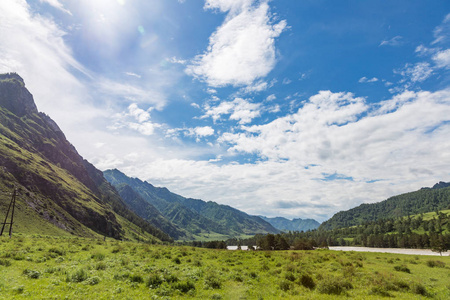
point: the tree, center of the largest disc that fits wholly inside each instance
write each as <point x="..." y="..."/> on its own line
<point x="438" y="244"/>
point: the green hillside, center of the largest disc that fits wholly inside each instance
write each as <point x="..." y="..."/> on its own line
<point x="58" y="191"/>
<point x="421" y="201"/>
<point x="284" y="224"/>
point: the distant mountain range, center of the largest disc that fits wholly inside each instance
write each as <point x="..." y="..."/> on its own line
<point x="421" y="201"/>
<point x="284" y="224"/>
<point x="187" y="218"/>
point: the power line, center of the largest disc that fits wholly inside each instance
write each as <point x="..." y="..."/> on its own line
<point x="11" y="204"/>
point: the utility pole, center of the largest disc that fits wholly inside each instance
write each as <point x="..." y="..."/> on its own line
<point x="11" y="204"/>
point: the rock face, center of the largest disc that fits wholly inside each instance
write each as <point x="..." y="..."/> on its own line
<point x="56" y="181"/>
<point x="14" y="96"/>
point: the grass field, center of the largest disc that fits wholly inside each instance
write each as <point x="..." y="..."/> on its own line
<point x="36" y="267"/>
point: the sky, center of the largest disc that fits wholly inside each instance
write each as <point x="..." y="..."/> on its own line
<point x="297" y="109"/>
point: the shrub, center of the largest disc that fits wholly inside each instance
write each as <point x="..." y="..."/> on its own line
<point x="98" y="256"/>
<point x="184" y="286"/>
<point x="58" y="251"/>
<point x="379" y="291"/>
<point x="334" y="286"/>
<point x="79" y="275"/>
<point x="32" y="273"/>
<point x="419" y="289"/>
<point x="435" y="263"/>
<point x="285" y="285"/>
<point x="307" y="281"/>
<point x="177" y="260"/>
<point x="154" y="281"/>
<point x="212" y="281"/>
<point x="100" y="266"/>
<point x="93" y="280"/>
<point x="289" y="276"/>
<point x="136" y="278"/>
<point x="402" y="268"/>
<point x="5" y="262"/>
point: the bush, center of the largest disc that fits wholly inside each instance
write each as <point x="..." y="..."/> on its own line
<point x="58" y="251"/>
<point x="402" y="268"/>
<point x="334" y="286"/>
<point x="419" y="289"/>
<point x="31" y="274"/>
<point x="154" y="281"/>
<point x="212" y="281"/>
<point x="93" y="280"/>
<point x="379" y="291"/>
<point x="307" y="281"/>
<point x="290" y="276"/>
<point x="184" y="286"/>
<point x="136" y="278"/>
<point x="285" y="285"/>
<point x="5" y="262"/>
<point x="79" y="275"/>
<point x="98" y="256"/>
<point x="435" y="263"/>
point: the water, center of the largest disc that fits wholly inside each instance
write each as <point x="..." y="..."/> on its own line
<point x="390" y="250"/>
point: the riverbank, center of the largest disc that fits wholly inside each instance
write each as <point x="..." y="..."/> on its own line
<point x="390" y="250"/>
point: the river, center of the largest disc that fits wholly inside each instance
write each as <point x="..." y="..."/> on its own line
<point x="390" y="250"/>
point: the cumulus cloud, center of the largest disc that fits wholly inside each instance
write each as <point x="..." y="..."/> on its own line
<point x="333" y="133"/>
<point x="239" y="109"/>
<point x="242" y="49"/>
<point x="442" y="59"/>
<point x="203" y="131"/>
<point x="136" y="119"/>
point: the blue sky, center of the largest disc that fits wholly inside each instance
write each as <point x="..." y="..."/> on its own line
<point x="280" y="108"/>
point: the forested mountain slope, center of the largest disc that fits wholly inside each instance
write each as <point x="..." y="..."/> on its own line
<point x="284" y="224"/>
<point x="195" y="216"/>
<point x="421" y="201"/>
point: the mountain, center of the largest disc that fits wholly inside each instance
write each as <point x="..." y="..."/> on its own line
<point x="58" y="191"/>
<point x="284" y="224"/>
<point x="198" y="218"/>
<point x="421" y="201"/>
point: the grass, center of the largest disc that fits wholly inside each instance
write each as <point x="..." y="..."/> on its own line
<point x="41" y="267"/>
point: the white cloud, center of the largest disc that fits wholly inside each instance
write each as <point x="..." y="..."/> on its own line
<point x="203" y="131"/>
<point x="442" y="32"/>
<point x="242" y="49"/>
<point x="133" y="74"/>
<point x="239" y="109"/>
<point x="365" y="79"/>
<point x="56" y="4"/>
<point x="136" y="119"/>
<point x="424" y="51"/>
<point x="395" y="41"/>
<point x="403" y="147"/>
<point x="415" y="73"/>
<point x="442" y="59"/>
<point x="271" y="97"/>
<point x="131" y="92"/>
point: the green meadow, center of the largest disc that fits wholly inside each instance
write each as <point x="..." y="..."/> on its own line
<point x="44" y="267"/>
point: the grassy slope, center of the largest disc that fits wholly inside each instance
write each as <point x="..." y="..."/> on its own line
<point x="78" y="268"/>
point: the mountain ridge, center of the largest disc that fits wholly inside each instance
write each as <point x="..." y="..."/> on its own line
<point x="420" y="201"/>
<point x="56" y="185"/>
<point x="196" y="216"/>
<point x="296" y="224"/>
